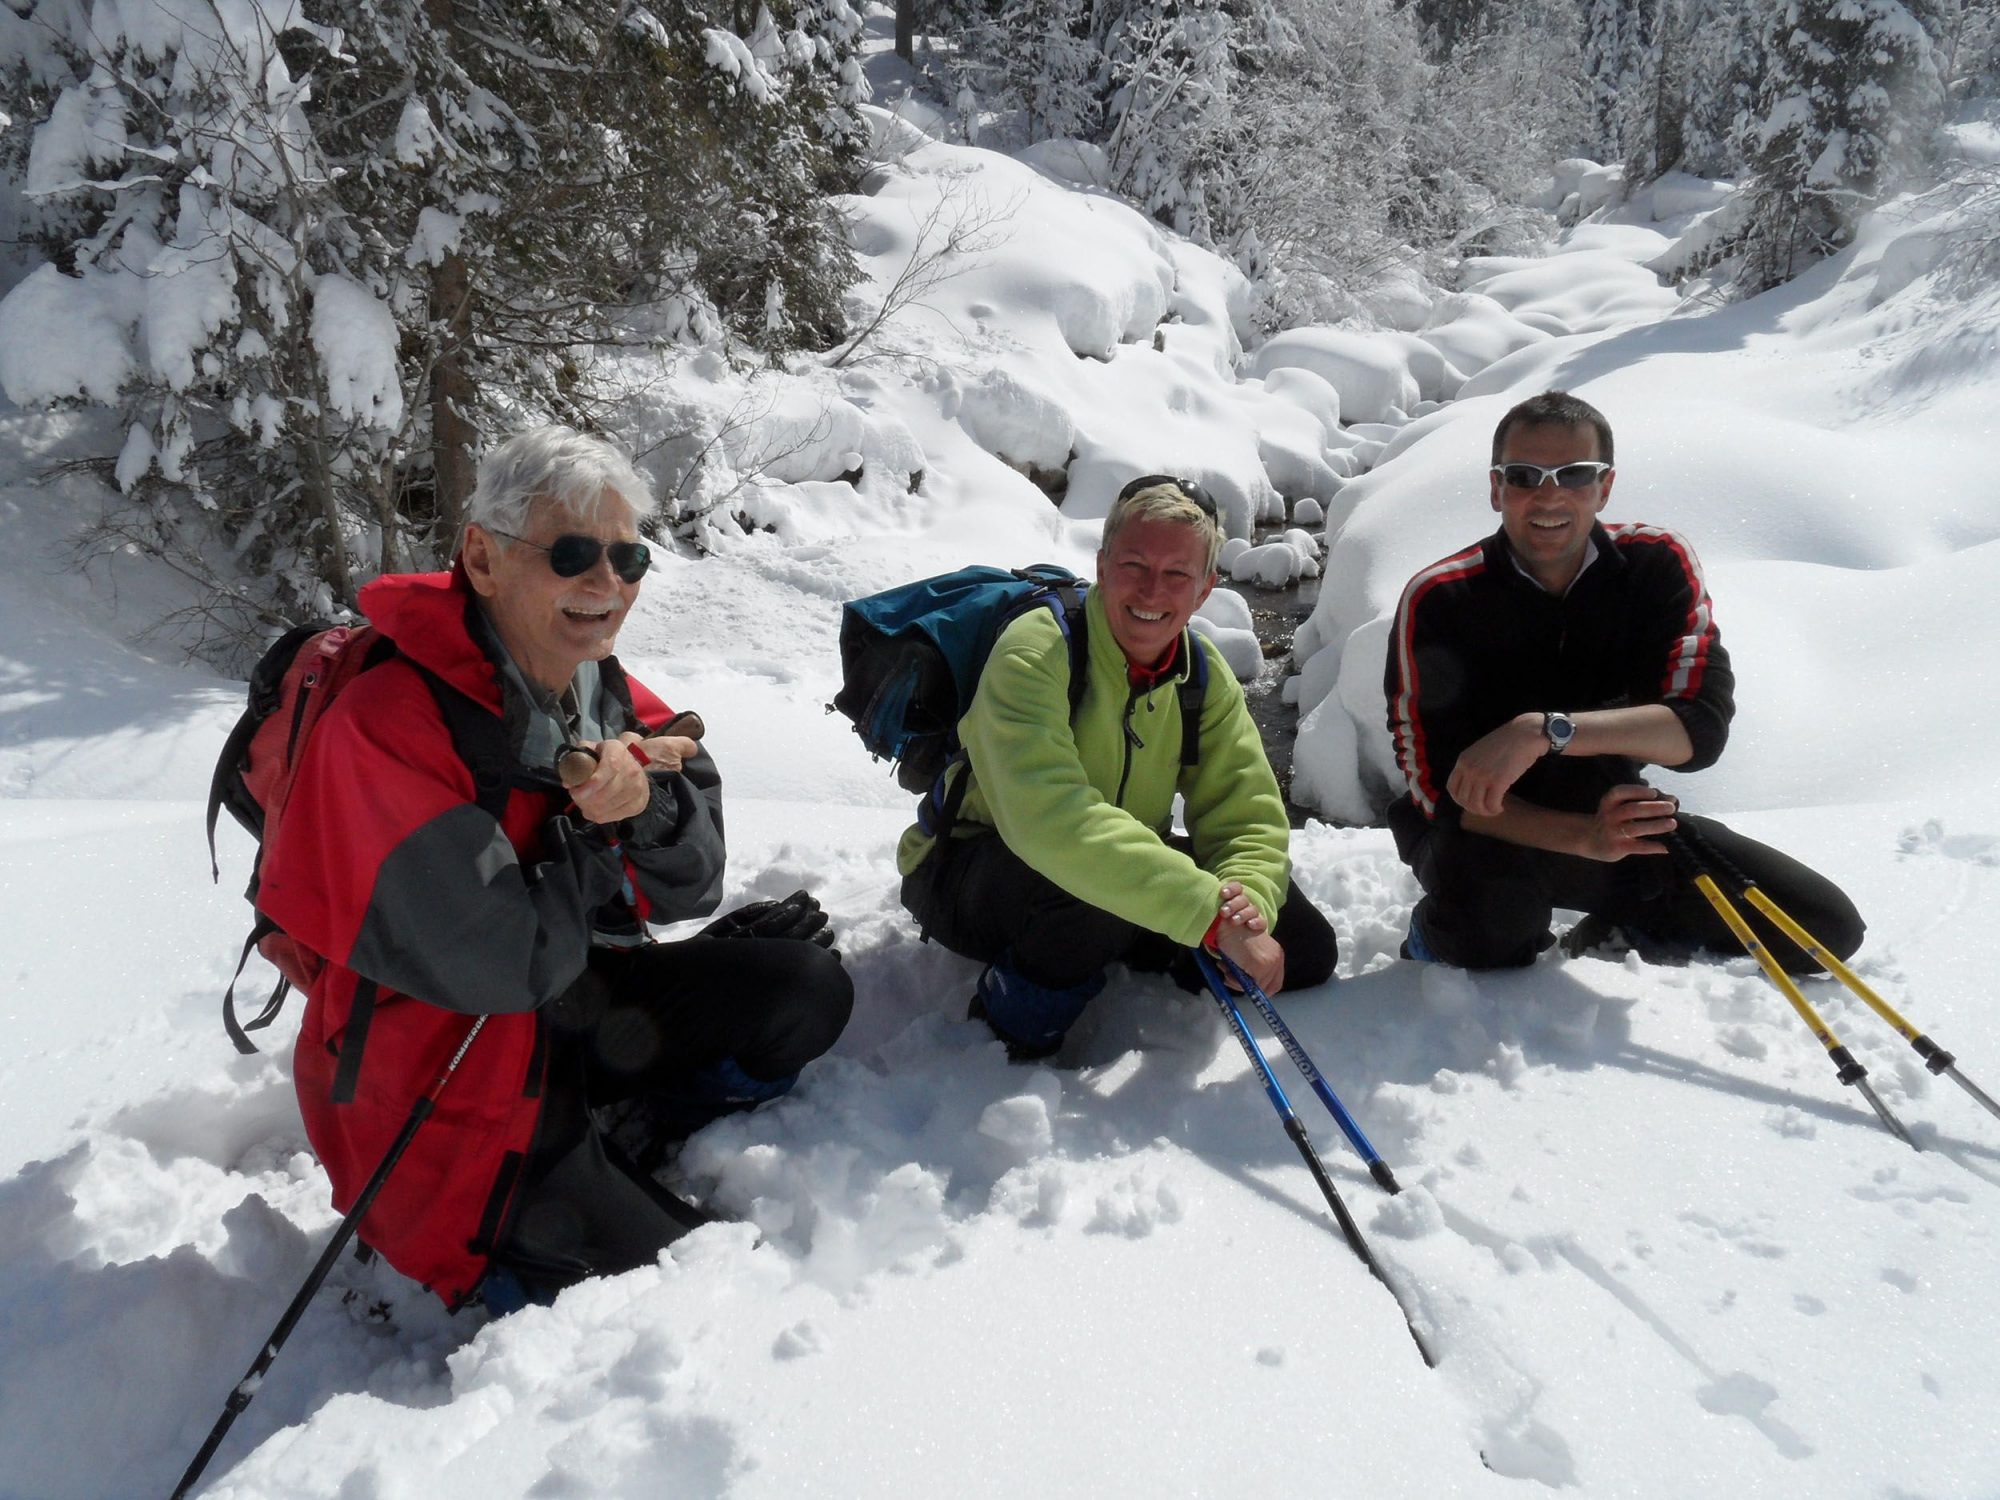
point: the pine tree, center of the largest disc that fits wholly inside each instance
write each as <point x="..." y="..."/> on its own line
<point x="333" y="254"/>
<point x="1620" y="62"/>
<point x="1848" y="104"/>
<point x="1712" y="67"/>
<point x="1039" y="57"/>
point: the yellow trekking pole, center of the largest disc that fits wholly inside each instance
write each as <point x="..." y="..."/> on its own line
<point x="1935" y="1057"/>
<point x="1848" y="1070"/>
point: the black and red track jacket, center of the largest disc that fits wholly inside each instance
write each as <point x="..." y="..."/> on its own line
<point x="428" y="911"/>
<point x="1475" y="642"/>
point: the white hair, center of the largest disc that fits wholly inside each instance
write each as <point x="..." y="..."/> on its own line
<point x="554" y="465"/>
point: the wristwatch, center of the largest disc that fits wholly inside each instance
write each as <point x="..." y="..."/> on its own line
<point x="1561" y="729"/>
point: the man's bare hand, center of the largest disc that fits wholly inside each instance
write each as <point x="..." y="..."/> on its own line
<point x="1491" y="764"/>
<point x="1629" y="820"/>
<point x="668" y="752"/>
<point x="618" y="788"/>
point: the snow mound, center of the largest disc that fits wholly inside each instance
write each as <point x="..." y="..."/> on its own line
<point x="1374" y="381"/>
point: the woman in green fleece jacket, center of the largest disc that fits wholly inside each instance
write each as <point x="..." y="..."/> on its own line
<point x="1062" y="859"/>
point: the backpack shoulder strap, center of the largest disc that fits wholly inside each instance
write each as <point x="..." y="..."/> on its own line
<point x="1191" y="691"/>
<point x="480" y="740"/>
<point x="479" y="737"/>
<point x="1066" y="601"/>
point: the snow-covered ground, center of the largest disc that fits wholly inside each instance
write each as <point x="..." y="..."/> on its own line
<point x="1658" y="1249"/>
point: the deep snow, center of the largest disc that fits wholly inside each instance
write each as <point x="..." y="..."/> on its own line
<point x="1660" y="1250"/>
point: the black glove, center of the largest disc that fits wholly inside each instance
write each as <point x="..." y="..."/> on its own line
<point x="798" y="916"/>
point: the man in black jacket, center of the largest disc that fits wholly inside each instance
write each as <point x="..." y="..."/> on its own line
<point x="1529" y="677"/>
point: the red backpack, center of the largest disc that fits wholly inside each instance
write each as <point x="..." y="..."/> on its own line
<point x="291" y="688"/>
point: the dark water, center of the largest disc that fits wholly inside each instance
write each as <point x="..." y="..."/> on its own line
<point x="1278" y="613"/>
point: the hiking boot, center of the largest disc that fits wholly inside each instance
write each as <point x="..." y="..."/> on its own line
<point x="1415" y="947"/>
<point x="1017" y="1052"/>
<point x="504" y="1292"/>
<point x="1592" y="932"/>
<point x="704" y="1096"/>
<point x="1603" y="938"/>
<point x="1031" y="1019"/>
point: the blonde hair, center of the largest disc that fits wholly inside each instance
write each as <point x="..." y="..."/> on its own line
<point x="1163" y="498"/>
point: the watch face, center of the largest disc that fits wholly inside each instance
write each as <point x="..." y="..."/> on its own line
<point x="1561" y="730"/>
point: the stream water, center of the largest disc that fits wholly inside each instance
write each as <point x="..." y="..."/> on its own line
<point x="1277" y="613"/>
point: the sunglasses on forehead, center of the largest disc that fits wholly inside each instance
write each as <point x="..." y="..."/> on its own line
<point x="1567" y="476"/>
<point x="1204" y="501"/>
<point x="572" y="556"/>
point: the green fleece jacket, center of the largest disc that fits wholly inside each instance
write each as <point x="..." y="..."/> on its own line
<point x="1087" y="804"/>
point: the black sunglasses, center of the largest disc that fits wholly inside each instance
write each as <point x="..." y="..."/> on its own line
<point x="1532" y="476"/>
<point x="1201" y="497"/>
<point x="572" y="556"/>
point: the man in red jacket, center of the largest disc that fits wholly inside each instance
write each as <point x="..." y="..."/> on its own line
<point x="434" y="859"/>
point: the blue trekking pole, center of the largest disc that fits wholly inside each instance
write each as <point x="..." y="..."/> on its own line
<point x="1349" y="1126"/>
<point x="1295" y="1128"/>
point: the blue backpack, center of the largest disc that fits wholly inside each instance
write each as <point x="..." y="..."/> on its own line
<point x="910" y="659"/>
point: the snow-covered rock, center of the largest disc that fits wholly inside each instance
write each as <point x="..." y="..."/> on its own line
<point x="1372" y="377"/>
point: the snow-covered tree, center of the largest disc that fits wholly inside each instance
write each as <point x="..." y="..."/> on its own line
<point x="1328" y="181"/>
<point x="1966" y="34"/>
<point x="1041" y="58"/>
<point x="1711" y="67"/>
<point x="1621" y="66"/>
<point x="1152" y="81"/>
<point x="311" y="250"/>
<point x="1849" y="101"/>
<point x="1503" y="106"/>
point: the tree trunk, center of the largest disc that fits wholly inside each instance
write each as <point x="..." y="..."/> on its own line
<point x="906" y="29"/>
<point x="453" y="435"/>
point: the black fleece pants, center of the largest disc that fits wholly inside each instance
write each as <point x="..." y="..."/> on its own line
<point x="1487" y="902"/>
<point x="981" y="900"/>
<point x="641" y="1023"/>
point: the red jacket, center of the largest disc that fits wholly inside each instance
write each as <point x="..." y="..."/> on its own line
<point x="428" y="910"/>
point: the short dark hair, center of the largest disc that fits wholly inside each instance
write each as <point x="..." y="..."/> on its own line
<point x="1554" y="409"/>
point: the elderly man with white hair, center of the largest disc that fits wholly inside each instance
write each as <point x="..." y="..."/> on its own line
<point x="442" y="868"/>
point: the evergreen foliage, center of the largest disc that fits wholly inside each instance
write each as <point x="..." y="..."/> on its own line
<point x="1848" y="104"/>
<point x="336" y="241"/>
<point x="1317" y="142"/>
<point x="1620" y="66"/>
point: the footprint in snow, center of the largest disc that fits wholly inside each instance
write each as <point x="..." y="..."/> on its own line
<point x="1134" y="1208"/>
<point x="1930" y="838"/>
<point x="798" y="1341"/>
